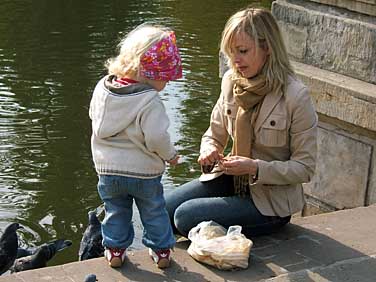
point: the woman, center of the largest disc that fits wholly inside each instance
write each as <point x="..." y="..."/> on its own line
<point x="268" y="114"/>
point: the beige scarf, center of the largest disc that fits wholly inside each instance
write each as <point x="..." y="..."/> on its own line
<point x="249" y="95"/>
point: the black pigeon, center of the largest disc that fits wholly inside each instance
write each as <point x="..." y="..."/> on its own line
<point x="91" y="242"/>
<point x="90" y="278"/>
<point x="40" y="256"/>
<point x="8" y="247"/>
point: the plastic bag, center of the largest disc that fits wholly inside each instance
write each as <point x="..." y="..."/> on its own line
<point x="225" y="249"/>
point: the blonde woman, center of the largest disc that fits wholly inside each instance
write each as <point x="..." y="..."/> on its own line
<point x="130" y="143"/>
<point x="268" y="114"/>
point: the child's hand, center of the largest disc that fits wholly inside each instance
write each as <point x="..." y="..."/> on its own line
<point x="174" y="161"/>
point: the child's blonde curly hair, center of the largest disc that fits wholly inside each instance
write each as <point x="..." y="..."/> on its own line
<point x="132" y="47"/>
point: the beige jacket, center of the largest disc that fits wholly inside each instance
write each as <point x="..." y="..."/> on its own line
<point x="285" y="144"/>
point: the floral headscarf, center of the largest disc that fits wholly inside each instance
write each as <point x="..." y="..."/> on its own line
<point x="162" y="61"/>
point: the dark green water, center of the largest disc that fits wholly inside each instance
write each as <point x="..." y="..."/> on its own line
<point x="51" y="56"/>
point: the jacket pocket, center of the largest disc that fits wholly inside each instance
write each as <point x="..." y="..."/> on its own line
<point x="273" y="132"/>
<point x="229" y="112"/>
<point x="288" y="198"/>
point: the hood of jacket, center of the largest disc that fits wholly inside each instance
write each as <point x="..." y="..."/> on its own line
<point x="114" y="107"/>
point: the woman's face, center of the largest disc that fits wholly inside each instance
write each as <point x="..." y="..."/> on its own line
<point x="247" y="58"/>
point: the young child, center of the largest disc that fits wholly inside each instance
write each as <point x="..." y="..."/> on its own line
<point x="130" y="143"/>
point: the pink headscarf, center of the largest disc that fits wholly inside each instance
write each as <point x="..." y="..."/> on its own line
<point x="162" y="61"/>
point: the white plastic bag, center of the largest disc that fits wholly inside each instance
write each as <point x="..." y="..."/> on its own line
<point x="225" y="249"/>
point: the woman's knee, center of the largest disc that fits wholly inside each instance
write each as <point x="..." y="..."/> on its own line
<point x="184" y="219"/>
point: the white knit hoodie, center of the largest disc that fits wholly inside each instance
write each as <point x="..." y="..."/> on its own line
<point x="129" y="126"/>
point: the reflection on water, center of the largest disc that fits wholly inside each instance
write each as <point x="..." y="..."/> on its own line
<point x="51" y="56"/>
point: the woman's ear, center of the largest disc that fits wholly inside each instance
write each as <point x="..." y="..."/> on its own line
<point x="266" y="48"/>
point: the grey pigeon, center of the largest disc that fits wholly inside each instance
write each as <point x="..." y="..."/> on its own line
<point x="58" y="244"/>
<point x="40" y="256"/>
<point x="8" y="247"/>
<point x="22" y="252"/>
<point x="90" y="278"/>
<point x="91" y="242"/>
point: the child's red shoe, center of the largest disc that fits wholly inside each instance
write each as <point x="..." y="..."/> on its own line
<point x="114" y="256"/>
<point x="161" y="257"/>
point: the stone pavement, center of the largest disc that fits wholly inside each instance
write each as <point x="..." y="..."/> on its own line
<point x="338" y="246"/>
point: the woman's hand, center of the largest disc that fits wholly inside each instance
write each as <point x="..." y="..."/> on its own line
<point x="237" y="165"/>
<point x="209" y="157"/>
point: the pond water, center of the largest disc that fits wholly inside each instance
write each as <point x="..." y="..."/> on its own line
<point x="51" y="56"/>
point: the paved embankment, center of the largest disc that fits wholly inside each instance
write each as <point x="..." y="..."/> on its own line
<point x="338" y="246"/>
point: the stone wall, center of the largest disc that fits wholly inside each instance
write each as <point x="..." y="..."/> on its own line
<point x="333" y="39"/>
<point x="333" y="48"/>
<point x="345" y="172"/>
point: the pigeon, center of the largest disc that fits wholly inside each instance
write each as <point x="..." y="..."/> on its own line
<point x="90" y="278"/>
<point x="40" y="256"/>
<point x="91" y="242"/>
<point x="8" y="247"/>
<point x="59" y="244"/>
<point x="22" y="252"/>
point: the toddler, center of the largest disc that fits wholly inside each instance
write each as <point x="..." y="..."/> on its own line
<point x="130" y="143"/>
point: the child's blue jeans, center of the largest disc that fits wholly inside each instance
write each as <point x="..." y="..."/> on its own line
<point x="118" y="193"/>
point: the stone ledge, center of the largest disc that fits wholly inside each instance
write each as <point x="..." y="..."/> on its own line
<point x="341" y="271"/>
<point x="338" y="96"/>
<point x="323" y="246"/>
<point x="367" y="7"/>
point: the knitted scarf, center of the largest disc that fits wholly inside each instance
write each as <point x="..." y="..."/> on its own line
<point x="249" y="95"/>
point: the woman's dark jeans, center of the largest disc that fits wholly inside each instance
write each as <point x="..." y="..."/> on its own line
<point x="197" y="201"/>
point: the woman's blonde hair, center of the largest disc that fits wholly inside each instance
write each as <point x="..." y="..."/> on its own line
<point x="262" y="27"/>
<point x="132" y="47"/>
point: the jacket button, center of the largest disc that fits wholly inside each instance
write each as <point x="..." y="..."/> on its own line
<point x="229" y="112"/>
<point x="272" y="122"/>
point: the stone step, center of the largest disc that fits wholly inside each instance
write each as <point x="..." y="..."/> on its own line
<point x="337" y="246"/>
<point x="358" y="269"/>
